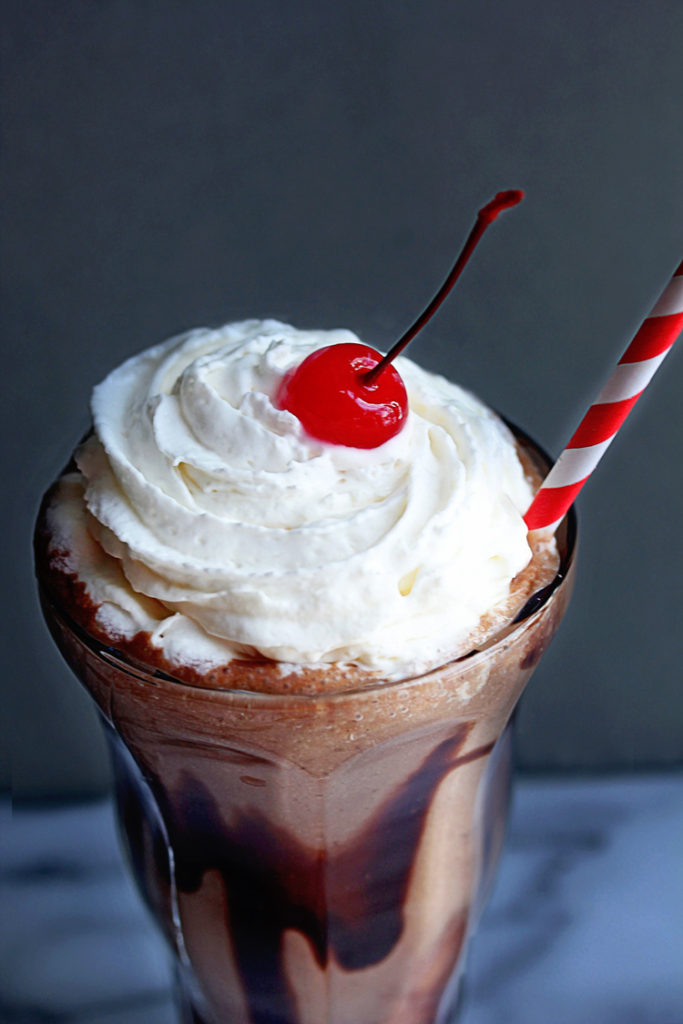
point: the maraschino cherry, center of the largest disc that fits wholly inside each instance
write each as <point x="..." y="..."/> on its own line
<point x="328" y="393"/>
<point x="350" y="394"/>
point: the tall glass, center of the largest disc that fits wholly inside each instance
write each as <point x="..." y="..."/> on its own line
<point x="316" y="859"/>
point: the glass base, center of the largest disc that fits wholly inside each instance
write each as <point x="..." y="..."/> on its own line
<point x="449" y="1012"/>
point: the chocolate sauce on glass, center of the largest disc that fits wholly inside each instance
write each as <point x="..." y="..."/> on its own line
<point x="348" y="904"/>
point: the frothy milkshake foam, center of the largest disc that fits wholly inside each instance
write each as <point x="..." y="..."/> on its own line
<point x="204" y="516"/>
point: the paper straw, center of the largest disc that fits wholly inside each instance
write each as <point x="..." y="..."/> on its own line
<point x="599" y="426"/>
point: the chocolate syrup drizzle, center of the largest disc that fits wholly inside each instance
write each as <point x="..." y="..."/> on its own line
<point x="347" y="902"/>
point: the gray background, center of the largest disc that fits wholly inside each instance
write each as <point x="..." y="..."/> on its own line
<point x="173" y="164"/>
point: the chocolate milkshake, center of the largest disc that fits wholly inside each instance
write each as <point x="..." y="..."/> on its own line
<point x="306" y="657"/>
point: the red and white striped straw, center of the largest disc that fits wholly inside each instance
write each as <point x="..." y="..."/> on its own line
<point x="599" y="426"/>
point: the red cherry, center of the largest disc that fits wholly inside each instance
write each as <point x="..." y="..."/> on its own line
<point x="350" y="394"/>
<point x="327" y="392"/>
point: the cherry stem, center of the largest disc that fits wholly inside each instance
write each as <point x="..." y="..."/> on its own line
<point x="486" y="216"/>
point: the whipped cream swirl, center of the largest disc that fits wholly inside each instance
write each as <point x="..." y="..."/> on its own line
<point x="234" y="534"/>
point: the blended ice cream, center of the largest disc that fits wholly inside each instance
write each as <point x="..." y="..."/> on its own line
<point x="306" y="657"/>
<point x="204" y="517"/>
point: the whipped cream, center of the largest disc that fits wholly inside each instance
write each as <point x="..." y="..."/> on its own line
<point x="205" y="516"/>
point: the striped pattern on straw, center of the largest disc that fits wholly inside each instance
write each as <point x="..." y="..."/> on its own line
<point x="599" y="426"/>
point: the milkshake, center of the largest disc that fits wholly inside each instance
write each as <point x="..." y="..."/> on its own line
<point x="306" y="656"/>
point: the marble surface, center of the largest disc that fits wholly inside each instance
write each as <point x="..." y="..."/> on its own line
<point x="584" y="925"/>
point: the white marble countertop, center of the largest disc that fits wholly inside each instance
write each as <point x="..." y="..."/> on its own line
<point x="584" y="926"/>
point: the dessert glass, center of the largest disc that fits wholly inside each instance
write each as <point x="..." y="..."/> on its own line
<point x="316" y="858"/>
